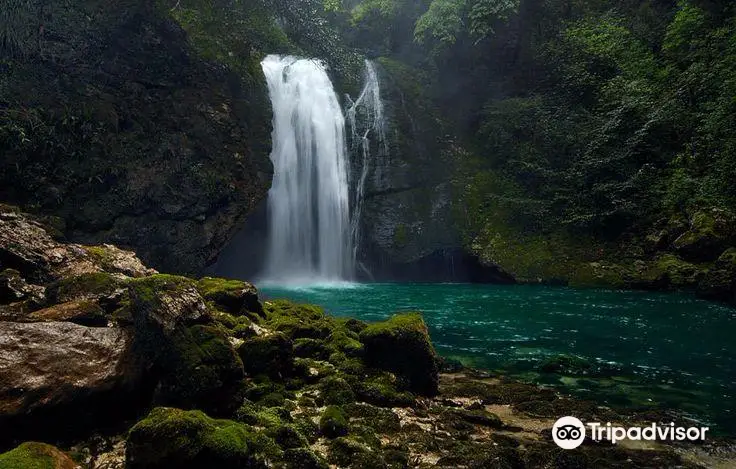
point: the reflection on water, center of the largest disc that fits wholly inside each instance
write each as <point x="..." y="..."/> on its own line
<point x="632" y="348"/>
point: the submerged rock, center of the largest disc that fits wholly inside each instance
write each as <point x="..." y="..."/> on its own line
<point x="401" y="345"/>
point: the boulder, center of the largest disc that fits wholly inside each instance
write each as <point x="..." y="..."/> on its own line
<point x="174" y="330"/>
<point x="170" y="437"/>
<point x="402" y="345"/>
<point x="233" y="296"/>
<point x="83" y="312"/>
<point x="33" y="455"/>
<point x="269" y="354"/>
<point x="27" y="247"/>
<point x="57" y="375"/>
<point x="709" y="234"/>
<point x="719" y="283"/>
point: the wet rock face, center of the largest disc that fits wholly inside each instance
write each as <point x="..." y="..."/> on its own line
<point x="137" y="140"/>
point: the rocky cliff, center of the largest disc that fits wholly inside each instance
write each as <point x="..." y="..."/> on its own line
<point x="142" y="123"/>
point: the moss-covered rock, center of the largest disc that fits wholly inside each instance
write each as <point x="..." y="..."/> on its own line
<point x="336" y="391"/>
<point x="402" y="345"/>
<point x="272" y="355"/>
<point x="719" y="283"/>
<point x="84" y="286"/>
<point x="379" y="419"/>
<point x="333" y="422"/>
<point x="347" y="452"/>
<point x="381" y="390"/>
<point x="302" y="458"/>
<point x="202" y="371"/>
<point x="232" y="296"/>
<point x="709" y="234"/>
<point x="170" y="437"/>
<point x="32" y="455"/>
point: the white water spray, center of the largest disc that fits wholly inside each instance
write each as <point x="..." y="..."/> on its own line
<point x="310" y="239"/>
<point x="367" y="125"/>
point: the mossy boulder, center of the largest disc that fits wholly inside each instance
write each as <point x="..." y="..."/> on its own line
<point x="333" y="422"/>
<point x="719" y="283"/>
<point x="336" y="391"/>
<point x="84" y="286"/>
<point x="175" y="331"/>
<point x="272" y="355"/>
<point x="709" y="234"/>
<point x="402" y="345"/>
<point x="298" y="320"/>
<point x="348" y="452"/>
<point x="302" y="458"/>
<point x="381" y="390"/>
<point x="232" y="296"/>
<point x="201" y="370"/>
<point x="170" y="437"/>
<point x="32" y="455"/>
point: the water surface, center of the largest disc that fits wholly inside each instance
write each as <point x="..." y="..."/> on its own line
<point x="644" y="349"/>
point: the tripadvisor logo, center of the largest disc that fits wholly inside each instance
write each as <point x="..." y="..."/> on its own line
<point x="569" y="432"/>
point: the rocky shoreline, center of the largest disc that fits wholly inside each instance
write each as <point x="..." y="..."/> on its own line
<point x="119" y="366"/>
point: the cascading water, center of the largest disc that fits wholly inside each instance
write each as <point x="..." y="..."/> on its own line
<point x="310" y="236"/>
<point x="368" y="130"/>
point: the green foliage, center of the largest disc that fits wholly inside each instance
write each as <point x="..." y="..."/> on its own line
<point x="443" y="22"/>
<point x="18" y="27"/>
<point x="446" y="21"/>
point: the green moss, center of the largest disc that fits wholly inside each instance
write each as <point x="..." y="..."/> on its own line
<point x="336" y="391"/>
<point x="598" y="275"/>
<point x="148" y="290"/>
<point x="176" y="438"/>
<point x="307" y="427"/>
<point x="302" y="458"/>
<point x="669" y="271"/>
<point x="381" y="390"/>
<point x="201" y="370"/>
<point x="333" y="422"/>
<point x="84" y="285"/>
<point x="272" y="355"/>
<point x="402" y="345"/>
<point x="32" y="455"/>
<point x="232" y="296"/>
<point x="379" y="419"/>
<point x="288" y="437"/>
<point x="347" y="452"/>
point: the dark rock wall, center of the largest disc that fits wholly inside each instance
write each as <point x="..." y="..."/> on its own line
<point x="112" y="120"/>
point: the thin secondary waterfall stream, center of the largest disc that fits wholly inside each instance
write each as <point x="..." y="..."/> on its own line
<point x="367" y="124"/>
<point x="308" y="204"/>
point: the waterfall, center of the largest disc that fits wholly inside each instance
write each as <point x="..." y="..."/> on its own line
<point x="310" y="238"/>
<point x="368" y="129"/>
